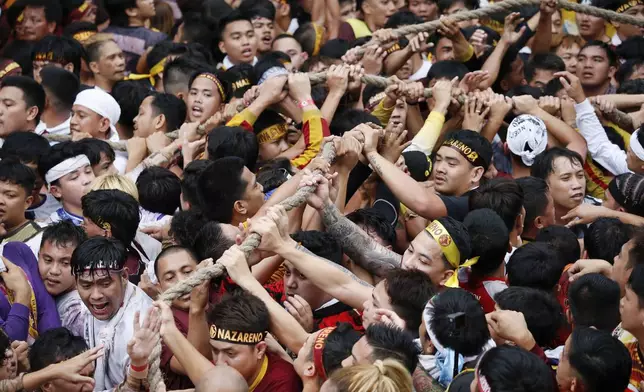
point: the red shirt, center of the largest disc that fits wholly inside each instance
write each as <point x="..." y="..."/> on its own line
<point x="279" y="376"/>
<point x="175" y="381"/>
<point x="484" y="290"/>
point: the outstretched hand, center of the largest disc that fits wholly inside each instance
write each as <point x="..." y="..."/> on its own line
<point x="145" y="337"/>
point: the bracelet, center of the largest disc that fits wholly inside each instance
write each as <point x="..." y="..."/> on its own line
<point x="303" y="104"/>
<point x="139" y="369"/>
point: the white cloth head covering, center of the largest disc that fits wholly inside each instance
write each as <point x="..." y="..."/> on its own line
<point x="65" y="167"/>
<point x="100" y="103"/>
<point x="636" y="147"/>
<point x="527" y="137"/>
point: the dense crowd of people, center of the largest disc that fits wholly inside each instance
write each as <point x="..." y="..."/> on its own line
<point x="486" y="238"/>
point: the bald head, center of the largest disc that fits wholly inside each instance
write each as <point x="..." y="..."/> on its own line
<point x="222" y="379"/>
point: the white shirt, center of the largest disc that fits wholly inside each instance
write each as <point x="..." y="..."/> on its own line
<point x="422" y="71"/>
<point x="607" y="154"/>
<point x="46" y="208"/>
<point x="229" y="64"/>
<point x="60" y="129"/>
<point x="114" y="334"/>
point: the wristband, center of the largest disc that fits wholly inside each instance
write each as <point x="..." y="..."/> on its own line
<point x="303" y="104"/>
<point x="139" y="369"/>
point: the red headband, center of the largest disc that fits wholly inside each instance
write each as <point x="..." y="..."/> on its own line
<point x="318" y="348"/>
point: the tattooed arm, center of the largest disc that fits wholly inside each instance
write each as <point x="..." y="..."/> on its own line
<point x="332" y="278"/>
<point x="358" y="245"/>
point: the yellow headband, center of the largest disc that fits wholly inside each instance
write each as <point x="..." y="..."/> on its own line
<point x="450" y="250"/>
<point x="271" y="134"/>
<point x="319" y="33"/>
<point x="10" y="67"/>
<point x="236" y="337"/>
<point x="241" y="84"/>
<point x="629" y="4"/>
<point x="154" y="71"/>
<point x="83" y="36"/>
<point x="216" y="81"/>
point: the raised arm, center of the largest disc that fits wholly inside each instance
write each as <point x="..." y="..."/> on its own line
<point x="327" y="275"/>
<point x="357" y="244"/>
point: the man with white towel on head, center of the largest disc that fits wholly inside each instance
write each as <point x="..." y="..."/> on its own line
<point x="95" y="114"/>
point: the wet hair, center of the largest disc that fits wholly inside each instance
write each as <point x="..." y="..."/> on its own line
<point x="536" y="265"/>
<point x="601" y="361"/>
<point x="563" y="240"/>
<point x="348" y="119"/>
<point x="159" y="190"/>
<point x="594" y="302"/>
<point x="93" y="149"/>
<point x="338" y="346"/>
<point x="476" y="142"/>
<point x="535" y="198"/>
<point x="387" y="341"/>
<point x="29" y="147"/>
<point x="178" y="72"/>
<point x="117" y="11"/>
<point x="15" y="172"/>
<point x="190" y="181"/>
<point x="33" y="93"/>
<point x="628" y="191"/>
<point x="509" y="368"/>
<point x="603" y="239"/>
<point x="447" y="69"/>
<point x="544" y="164"/>
<point x="610" y="53"/>
<point x="545" y="61"/>
<point x="116" y="208"/>
<point x="241" y="311"/>
<point x="503" y="196"/>
<point x="61" y="87"/>
<point x="320" y="243"/>
<point x="408" y="292"/>
<point x="171" y="250"/>
<point x="374" y="221"/>
<point x="66" y="51"/>
<point x="543" y="314"/>
<point x="173" y="109"/>
<point x="489" y="237"/>
<point x="220" y="185"/>
<point x="211" y="242"/>
<point x="227" y="141"/>
<point x="54" y="346"/>
<point x="129" y="95"/>
<point x="472" y="334"/>
<point x="91" y="254"/>
<point x="185" y="225"/>
<point x="62" y="234"/>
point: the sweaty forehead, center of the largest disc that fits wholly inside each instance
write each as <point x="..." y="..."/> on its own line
<point x="563" y="165"/>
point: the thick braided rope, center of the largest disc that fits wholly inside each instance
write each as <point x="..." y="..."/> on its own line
<point x="155" y="377"/>
<point x="504" y="7"/>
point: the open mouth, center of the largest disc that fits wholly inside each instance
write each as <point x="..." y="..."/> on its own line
<point x="577" y="196"/>
<point x="267" y="39"/>
<point x="196" y="111"/>
<point x="247" y="52"/>
<point x="100" y="309"/>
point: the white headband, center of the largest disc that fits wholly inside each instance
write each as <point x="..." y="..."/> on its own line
<point x="65" y="167"/>
<point x="636" y="147"/>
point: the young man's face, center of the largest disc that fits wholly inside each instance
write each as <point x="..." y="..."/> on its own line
<point x="633" y="162"/>
<point x="104" y="166"/>
<point x="593" y="67"/>
<point x="102" y="292"/>
<point x="296" y="283"/>
<point x="272" y="149"/>
<point x="14" y="201"/>
<point x="35" y="26"/>
<point x="379" y="10"/>
<point x="72" y="186"/>
<point x="111" y="63"/>
<point x="541" y="78"/>
<point x="254" y="193"/>
<point x="265" y="32"/>
<point x="631" y="312"/>
<point x="292" y="48"/>
<point x="347" y="10"/>
<point x="174" y="268"/>
<point x="627" y="30"/>
<point x="379" y="300"/>
<point x="88" y="121"/>
<point x="569" y="56"/>
<point x="567" y="183"/>
<point x="425" y="9"/>
<point x="565" y="371"/>
<point x="15" y="114"/>
<point x="239" y="42"/>
<point x="622" y="269"/>
<point x="55" y="269"/>
<point x="204" y="100"/>
<point x="425" y="255"/>
<point x="444" y="50"/>
<point x="242" y="357"/>
<point x="556" y="29"/>
<point x="590" y="27"/>
<point x="145" y="121"/>
<point x="37" y="66"/>
<point x="452" y="172"/>
<point x="145" y="9"/>
<point x="360" y="354"/>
